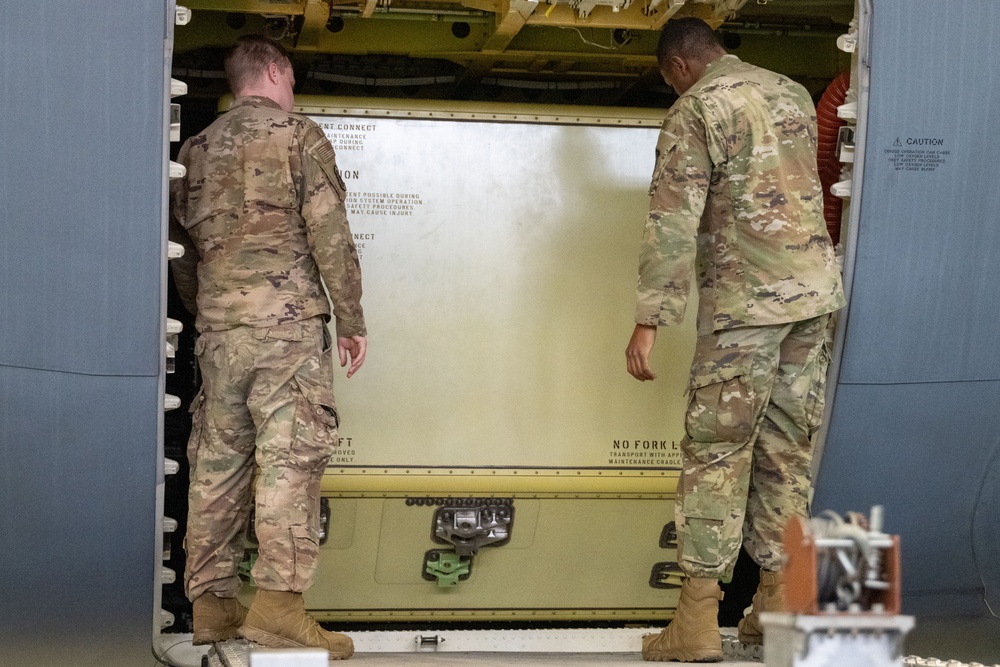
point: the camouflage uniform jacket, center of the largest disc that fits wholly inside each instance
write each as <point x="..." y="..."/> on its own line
<point x="737" y="201"/>
<point x="261" y="214"/>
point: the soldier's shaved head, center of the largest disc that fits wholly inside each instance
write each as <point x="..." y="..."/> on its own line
<point x="249" y="59"/>
<point x="689" y="38"/>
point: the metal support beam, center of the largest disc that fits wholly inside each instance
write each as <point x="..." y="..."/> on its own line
<point x="315" y="16"/>
<point x="510" y="19"/>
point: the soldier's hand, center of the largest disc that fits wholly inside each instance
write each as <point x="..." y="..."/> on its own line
<point x="637" y="352"/>
<point x="353" y="348"/>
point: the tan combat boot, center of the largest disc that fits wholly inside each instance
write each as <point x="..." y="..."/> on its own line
<point x="770" y="596"/>
<point x="217" y="619"/>
<point x="278" y="619"/>
<point x="693" y="635"/>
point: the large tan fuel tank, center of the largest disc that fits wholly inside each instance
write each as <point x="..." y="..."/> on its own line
<point x="499" y="251"/>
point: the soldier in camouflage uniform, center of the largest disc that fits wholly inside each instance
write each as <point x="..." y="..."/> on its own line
<point x="261" y="214"/>
<point x="736" y="201"/>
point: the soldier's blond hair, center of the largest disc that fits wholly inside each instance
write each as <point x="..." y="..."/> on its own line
<point x="689" y="37"/>
<point x="247" y="61"/>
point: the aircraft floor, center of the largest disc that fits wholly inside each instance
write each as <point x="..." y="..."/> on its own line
<point x="969" y="640"/>
<point x="527" y="659"/>
<point x="491" y="659"/>
<point x="177" y="651"/>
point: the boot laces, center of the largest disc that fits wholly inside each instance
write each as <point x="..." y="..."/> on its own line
<point x="305" y="625"/>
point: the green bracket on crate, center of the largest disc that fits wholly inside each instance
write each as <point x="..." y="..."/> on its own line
<point x="446" y="567"/>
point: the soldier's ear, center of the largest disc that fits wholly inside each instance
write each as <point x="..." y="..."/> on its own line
<point x="678" y="66"/>
<point x="273" y="73"/>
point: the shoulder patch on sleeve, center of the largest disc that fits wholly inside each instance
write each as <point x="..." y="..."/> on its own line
<point x="318" y="146"/>
<point x="665" y="144"/>
<point x="324" y="150"/>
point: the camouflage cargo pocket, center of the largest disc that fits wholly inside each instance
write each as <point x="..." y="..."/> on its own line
<point x="722" y="397"/>
<point x="197" y="411"/>
<point x="305" y="553"/>
<point x="704" y="540"/>
<point x="816" y="394"/>
<point x="316" y="423"/>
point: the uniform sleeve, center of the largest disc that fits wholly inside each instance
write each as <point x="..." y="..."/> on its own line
<point x="678" y="193"/>
<point x="329" y="233"/>
<point x="185" y="268"/>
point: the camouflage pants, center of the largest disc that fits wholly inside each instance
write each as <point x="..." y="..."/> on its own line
<point x="756" y="398"/>
<point x="266" y="399"/>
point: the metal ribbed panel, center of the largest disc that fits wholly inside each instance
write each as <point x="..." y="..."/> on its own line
<point x="914" y="423"/>
<point x="82" y="267"/>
